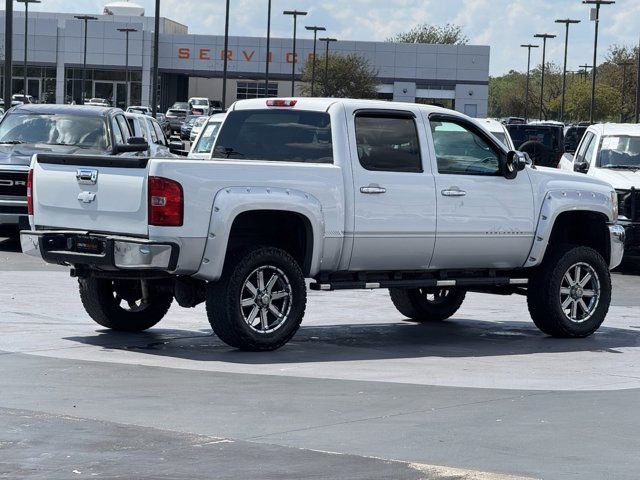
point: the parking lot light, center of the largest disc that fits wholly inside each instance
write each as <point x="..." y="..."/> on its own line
<point x="544" y="37"/>
<point x="567" y="22"/>
<point x="526" y="97"/>
<point x="226" y="58"/>
<point x="326" y="63"/>
<point x="315" y="30"/>
<point x="26" y="31"/>
<point x="294" y="14"/>
<point x="156" y="42"/>
<point x="127" y="31"/>
<point x="267" y="60"/>
<point x="595" y="16"/>
<point x="86" y="19"/>
<point x="8" y="47"/>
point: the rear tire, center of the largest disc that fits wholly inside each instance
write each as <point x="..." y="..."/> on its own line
<point x="427" y="304"/>
<point x="120" y="304"/>
<point x="259" y="302"/>
<point x="570" y="293"/>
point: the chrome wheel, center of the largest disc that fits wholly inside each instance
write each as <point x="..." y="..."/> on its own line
<point x="265" y="299"/>
<point x="130" y="296"/>
<point x="579" y="292"/>
<point x="436" y="296"/>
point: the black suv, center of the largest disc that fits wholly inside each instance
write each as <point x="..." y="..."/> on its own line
<point x="543" y="142"/>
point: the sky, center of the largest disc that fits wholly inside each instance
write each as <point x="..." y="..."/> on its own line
<point x="502" y="24"/>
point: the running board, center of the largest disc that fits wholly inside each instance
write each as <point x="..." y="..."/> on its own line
<point x="422" y="283"/>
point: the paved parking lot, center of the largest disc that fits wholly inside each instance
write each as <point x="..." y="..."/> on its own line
<point x="358" y="393"/>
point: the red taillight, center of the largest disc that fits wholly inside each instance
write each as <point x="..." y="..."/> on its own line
<point x="281" y="102"/>
<point x="166" y="202"/>
<point x="30" y="192"/>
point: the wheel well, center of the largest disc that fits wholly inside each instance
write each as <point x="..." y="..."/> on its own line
<point x="582" y="228"/>
<point x="289" y="231"/>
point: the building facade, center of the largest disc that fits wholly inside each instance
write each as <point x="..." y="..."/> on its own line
<point x="454" y="76"/>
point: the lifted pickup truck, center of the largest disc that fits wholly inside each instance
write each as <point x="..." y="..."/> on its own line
<point x="353" y="194"/>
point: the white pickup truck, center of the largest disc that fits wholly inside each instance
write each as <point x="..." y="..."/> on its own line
<point x="353" y="194"/>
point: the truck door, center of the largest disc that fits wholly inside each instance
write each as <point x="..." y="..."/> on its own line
<point x="484" y="220"/>
<point x="395" y="223"/>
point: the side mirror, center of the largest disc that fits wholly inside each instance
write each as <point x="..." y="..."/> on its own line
<point x="580" y="167"/>
<point x="177" y="147"/>
<point x="513" y="163"/>
<point x="134" y="144"/>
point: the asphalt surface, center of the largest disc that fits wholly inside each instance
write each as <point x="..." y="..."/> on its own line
<point x="358" y="393"/>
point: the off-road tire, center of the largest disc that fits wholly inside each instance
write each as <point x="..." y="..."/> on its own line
<point x="413" y="303"/>
<point x="224" y="298"/>
<point x="543" y="295"/>
<point x="99" y="301"/>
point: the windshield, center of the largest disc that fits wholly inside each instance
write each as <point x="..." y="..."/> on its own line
<point x="76" y="130"/>
<point x="620" y="151"/>
<point x="207" y="138"/>
<point x="200" y="101"/>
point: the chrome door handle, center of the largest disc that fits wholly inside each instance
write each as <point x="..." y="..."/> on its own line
<point x="373" y="189"/>
<point x="453" y="192"/>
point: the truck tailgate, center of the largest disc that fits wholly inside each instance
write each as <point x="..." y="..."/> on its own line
<point x="99" y="194"/>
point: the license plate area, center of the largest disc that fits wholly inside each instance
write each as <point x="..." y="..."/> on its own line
<point x="78" y="244"/>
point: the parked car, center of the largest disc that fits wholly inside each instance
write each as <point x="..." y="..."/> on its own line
<point x="544" y="143"/>
<point x="572" y="136"/>
<point x="176" y="117"/>
<point x="611" y="152"/>
<point x="202" y="146"/>
<point x="139" y="109"/>
<point x="199" y="106"/>
<point x="164" y="123"/>
<point x="148" y="128"/>
<point x="412" y="198"/>
<point x="514" y="121"/>
<point x="98" y="102"/>
<point x="197" y="126"/>
<point x="187" y="125"/>
<point x="19" y="97"/>
<point x="180" y="106"/>
<point x="498" y="130"/>
<point x="58" y="129"/>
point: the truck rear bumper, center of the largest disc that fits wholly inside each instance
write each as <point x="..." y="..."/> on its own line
<point x="103" y="252"/>
<point x="617" y="239"/>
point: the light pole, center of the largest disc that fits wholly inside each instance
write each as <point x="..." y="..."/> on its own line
<point x="266" y="68"/>
<point x="226" y="58"/>
<point x="326" y="64"/>
<point x="567" y="22"/>
<point x="595" y="16"/>
<point x="8" y="48"/>
<point x="86" y="19"/>
<point x="154" y="73"/>
<point x="313" y="65"/>
<point x="127" y="31"/>
<point x="637" y="111"/>
<point x="26" y="31"/>
<point x="526" y="97"/>
<point x="544" y="37"/>
<point x="295" y="14"/>
<point x="624" y="66"/>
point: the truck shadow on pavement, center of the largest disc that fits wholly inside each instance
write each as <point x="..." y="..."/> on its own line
<point x="10" y="244"/>
<point x="456" y="338"/>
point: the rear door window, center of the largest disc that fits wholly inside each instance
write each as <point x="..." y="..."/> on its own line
<point x="388" y="143"/>
<point x="276" y="136"/>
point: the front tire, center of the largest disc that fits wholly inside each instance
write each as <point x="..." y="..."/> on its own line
<point x="259" y="302"/>
<point x="570" y="294"/>
<point x="124" y="305"/>
<point x="427" y="304"/>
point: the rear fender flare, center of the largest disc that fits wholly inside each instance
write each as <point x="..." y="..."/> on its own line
<point x="230" y="202"/>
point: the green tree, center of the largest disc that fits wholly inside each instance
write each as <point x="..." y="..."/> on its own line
<point x="437" y="34"/>
<point x="348" y="76"/>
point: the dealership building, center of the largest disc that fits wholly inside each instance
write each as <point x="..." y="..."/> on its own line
<point x="455" y="76"/>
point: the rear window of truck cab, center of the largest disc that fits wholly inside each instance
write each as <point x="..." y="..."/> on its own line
<point x="275" y="135"/>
